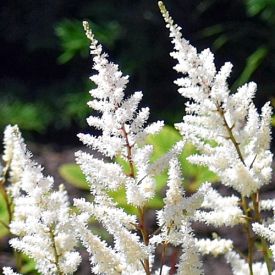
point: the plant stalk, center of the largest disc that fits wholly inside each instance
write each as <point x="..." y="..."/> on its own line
<point x="142" y="226"/>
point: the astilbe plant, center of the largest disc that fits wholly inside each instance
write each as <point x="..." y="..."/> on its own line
<point x="233" y="140"/>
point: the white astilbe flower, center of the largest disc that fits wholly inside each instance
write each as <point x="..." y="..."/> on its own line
<point x="123" y="133"/>
<point x="127" y="253"/>
<point x="99" y="173"/>
<point x="41" y="219"/>
<point x="119" y="115"/>
<point x="159" y="165"/>
<point x="189" y="262"/>
<point x="9" y="271"/>
<point x="104" y="259"/>
<point x="177" y="208"/>
<point x="215" y="247"/>
<point x="126" y="242"/>
<point x="232" y="137"/>
<point x="105" y="212"/>
<point x="223" y="210"/>
<point x="267" y="232"/>
<point x="268" y="204"/>
<point x="174" y="220"/>
<point x="13" y="156"/>
<point x="240" y="266"/>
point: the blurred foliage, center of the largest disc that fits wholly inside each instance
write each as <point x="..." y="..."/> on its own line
<point x="27" y="266"/>
<point x="29" y="116"/>
<point x="193" y="175"/>
<point x="72" y="173"/>
<point x="252" y="64"/>
<point x="263" y="8"/>
<point x="45" y="66"/>
<point x="74" y="41"/>
<point x="249" y="39"/>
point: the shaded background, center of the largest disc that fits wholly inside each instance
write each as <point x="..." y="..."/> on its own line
<point x="45" y="65"/>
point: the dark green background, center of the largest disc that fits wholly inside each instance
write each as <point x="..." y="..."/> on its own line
<point x="45" y="65"/>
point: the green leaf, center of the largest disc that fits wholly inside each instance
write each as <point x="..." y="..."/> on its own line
<point x="73" y="39"/>
<point x="155" y="203"/>
<point x="124" y="164"/>
<point x="28" y="266"/>
<point x="3" y="217"/>
<point x="212" y="30"/>
<point x="163" y="141"/>
<point x="119" y="196"/>
<point x="28" y="116"/>
<point x="220" y="41"/>
<point x="72" y="174"/>
<point x="193" y="175"/>
<point x="252" y="64"/>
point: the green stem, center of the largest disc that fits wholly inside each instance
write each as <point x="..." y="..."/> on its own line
<point x="142" y="226"/>
<point x="249" y="234"/>
<point x="56" y="255"/>
<point x="18" y="260"/>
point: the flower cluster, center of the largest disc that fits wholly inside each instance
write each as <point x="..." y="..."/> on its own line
<point x="232" y="139"/>
<point x="234" y="142"/>
<point x="41" y="219"/>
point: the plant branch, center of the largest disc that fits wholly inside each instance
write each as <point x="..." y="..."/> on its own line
<point x="142" y="227"/>
<point x="56" y="255"/>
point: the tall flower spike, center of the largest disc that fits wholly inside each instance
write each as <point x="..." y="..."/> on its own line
<point x="177" y="208"/>
<point x="104" y="260"/>
<point x="15" y="157"/>
<point x="41" y="220"/>
<point x="189" y="262"/>
<point x="175" y="220"/>
<point x="122" y="132"/>
<point x="233" y="138"/>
